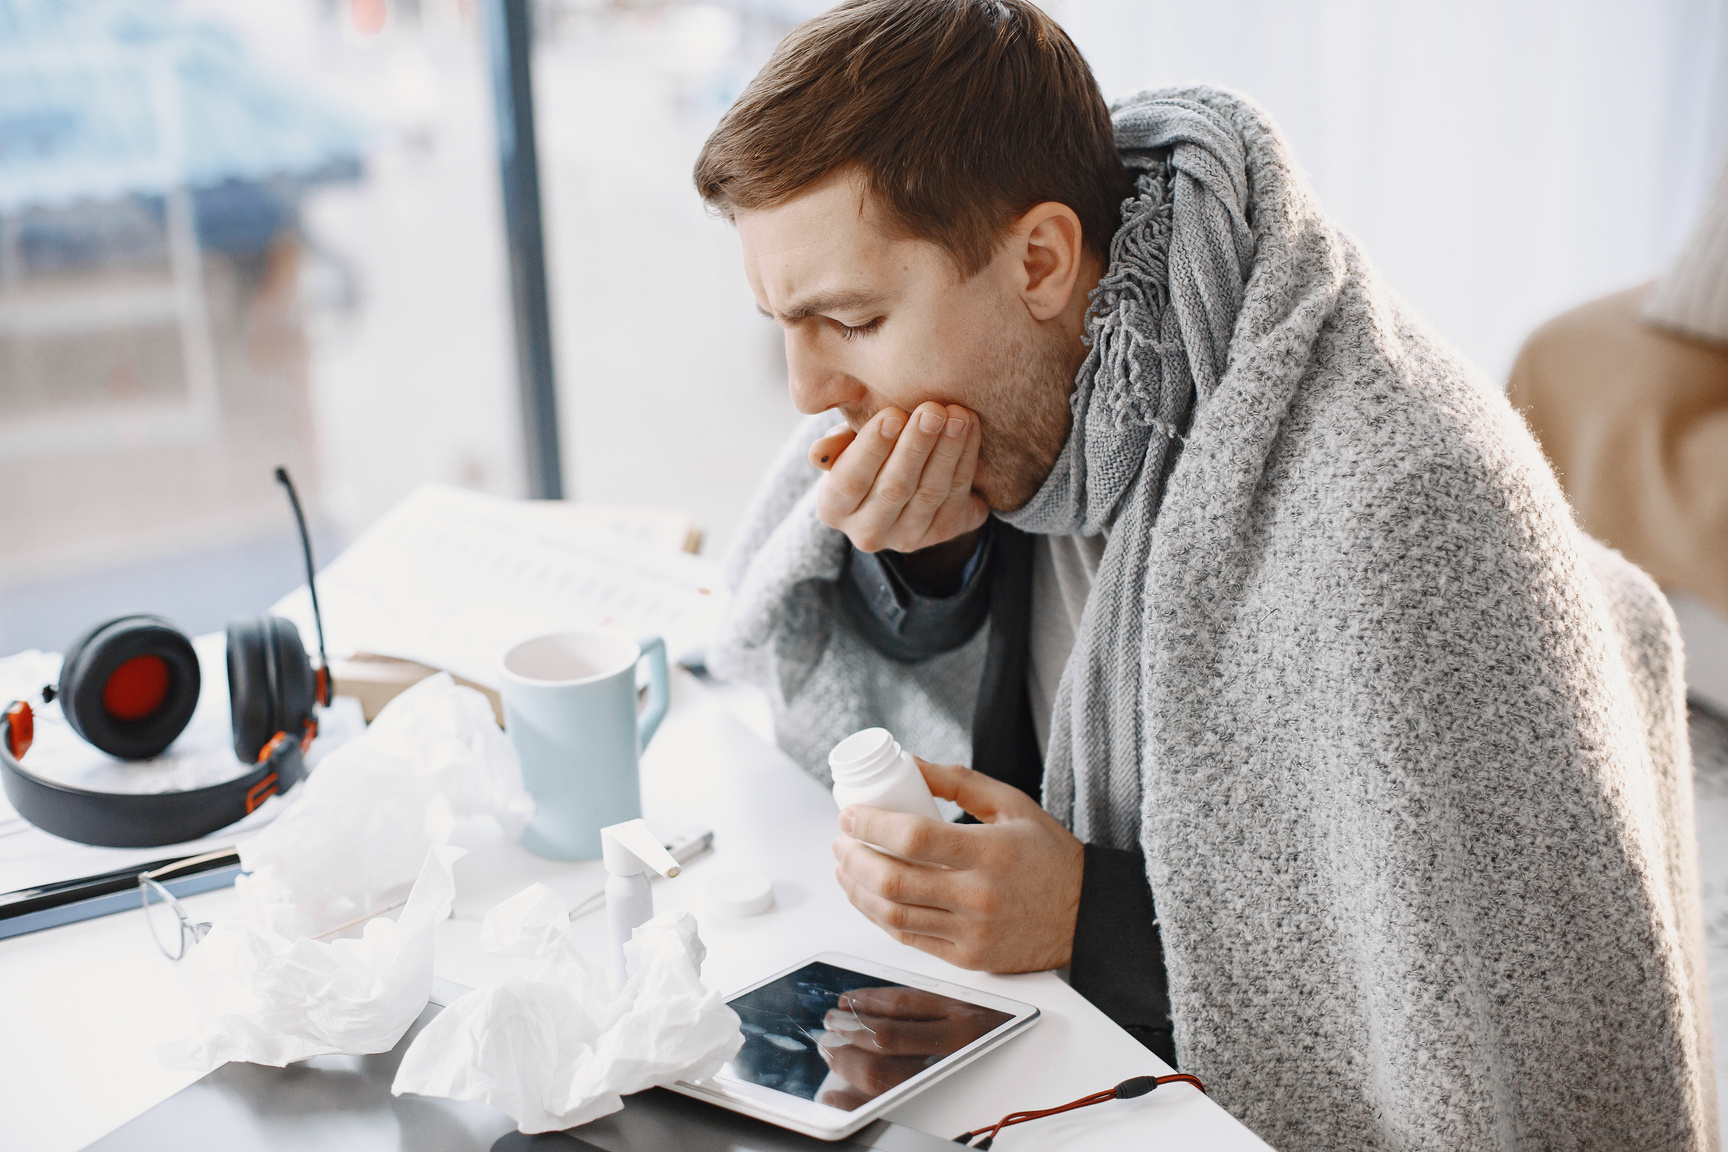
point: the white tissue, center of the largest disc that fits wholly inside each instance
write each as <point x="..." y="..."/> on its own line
<point x="355" y="836"/>
<point x="269" y="999"/>
<point x="558" y="1048"/>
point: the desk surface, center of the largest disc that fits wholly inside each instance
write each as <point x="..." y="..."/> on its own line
<point x="83" y="1007"/>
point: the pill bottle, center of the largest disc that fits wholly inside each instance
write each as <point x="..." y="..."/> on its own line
<point x="870" y="767"/>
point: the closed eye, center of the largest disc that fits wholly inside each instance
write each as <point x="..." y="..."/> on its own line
<point x="850" y="332"/>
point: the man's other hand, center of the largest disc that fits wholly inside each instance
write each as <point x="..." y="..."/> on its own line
<point x="1001" y="896"/>
<point x="902" y="483"/>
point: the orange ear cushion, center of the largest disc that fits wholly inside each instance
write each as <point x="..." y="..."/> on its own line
<point x="136" y="688"/>
<point x="129" y="686"/>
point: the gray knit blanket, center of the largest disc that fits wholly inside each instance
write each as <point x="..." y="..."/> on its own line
<point x="1405" y="751"/>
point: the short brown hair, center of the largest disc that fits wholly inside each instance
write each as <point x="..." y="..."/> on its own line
<point x="959" y="114"/>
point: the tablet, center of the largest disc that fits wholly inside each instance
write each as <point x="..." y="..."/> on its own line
<point x="834" y="1042"/>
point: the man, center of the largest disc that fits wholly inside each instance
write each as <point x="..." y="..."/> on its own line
<point x="1362" y="772"/>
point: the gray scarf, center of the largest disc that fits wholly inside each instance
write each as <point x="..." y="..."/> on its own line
<point x="1159" y="327"/>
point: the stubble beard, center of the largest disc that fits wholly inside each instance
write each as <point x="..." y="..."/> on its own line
<point x="1024" y="416"/>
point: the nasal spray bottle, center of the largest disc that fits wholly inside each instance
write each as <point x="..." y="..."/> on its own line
<point x="631" y="852"/>
<point x="870" y="767"/>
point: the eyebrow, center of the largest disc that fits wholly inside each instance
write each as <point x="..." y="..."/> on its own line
<point x="825" y="302"/>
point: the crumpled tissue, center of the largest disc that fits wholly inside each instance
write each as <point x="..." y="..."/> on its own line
<point x="558" y="1047"/>
<point x="355" y="837"/>
<point x="270" y="999"/>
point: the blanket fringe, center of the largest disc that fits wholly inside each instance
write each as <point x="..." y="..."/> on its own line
<point x="1141" y="368"/>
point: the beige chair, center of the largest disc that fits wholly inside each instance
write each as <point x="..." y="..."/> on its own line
<point x="1634" y="420"/>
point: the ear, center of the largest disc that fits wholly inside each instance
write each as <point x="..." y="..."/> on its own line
<point x="1052" y="253"/>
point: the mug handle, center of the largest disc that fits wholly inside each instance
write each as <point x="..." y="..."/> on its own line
<point x="659" y="690"/>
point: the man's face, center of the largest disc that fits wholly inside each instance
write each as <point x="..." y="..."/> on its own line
<point x="875" y="320"/>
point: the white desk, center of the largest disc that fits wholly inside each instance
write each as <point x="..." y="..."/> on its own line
<point x="83" y="1007"/>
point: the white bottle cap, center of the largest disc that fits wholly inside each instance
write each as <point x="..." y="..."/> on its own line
<point x="861" y="754"/>
<point x="737" y="893"/>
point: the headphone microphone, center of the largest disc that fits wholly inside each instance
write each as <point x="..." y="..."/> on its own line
<point x="129" y="687"/>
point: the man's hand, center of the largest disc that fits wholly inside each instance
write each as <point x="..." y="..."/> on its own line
<point x="902" y="483"/>
<point x="1001" y="896"/>
<point x="876" y="1038"/>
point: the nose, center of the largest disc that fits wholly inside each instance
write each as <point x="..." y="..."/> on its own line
<point x="817" y="382"/>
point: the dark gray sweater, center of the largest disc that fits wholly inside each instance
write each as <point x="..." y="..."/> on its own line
<point x="1118" y="958"/>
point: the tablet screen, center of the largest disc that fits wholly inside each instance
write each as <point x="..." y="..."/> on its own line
<point x="842" y="1038"/>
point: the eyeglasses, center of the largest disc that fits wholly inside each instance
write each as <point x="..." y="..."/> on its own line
<point x="174" y="929"/>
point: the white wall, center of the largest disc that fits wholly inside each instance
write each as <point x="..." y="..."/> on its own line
<point x="1500" y="160"/>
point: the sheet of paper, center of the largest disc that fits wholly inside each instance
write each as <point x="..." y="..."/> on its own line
<point x="453" y="578"/>
<point x="665" y="528"/>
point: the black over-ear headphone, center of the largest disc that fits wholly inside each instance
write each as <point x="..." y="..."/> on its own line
<point x="129" y="687"/>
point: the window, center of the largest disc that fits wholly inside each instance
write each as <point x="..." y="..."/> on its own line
<point x="235" y="235"/>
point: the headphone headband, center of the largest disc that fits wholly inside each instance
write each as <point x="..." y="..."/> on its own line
<point x="138" y="819"/>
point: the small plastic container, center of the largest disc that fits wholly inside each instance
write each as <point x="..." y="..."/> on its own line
<point x="870" y="767"/>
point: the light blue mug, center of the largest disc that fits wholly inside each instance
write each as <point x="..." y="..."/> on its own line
<point x="570" y="710"/>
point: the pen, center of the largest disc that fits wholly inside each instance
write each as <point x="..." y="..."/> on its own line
<point x="68" y="901"/>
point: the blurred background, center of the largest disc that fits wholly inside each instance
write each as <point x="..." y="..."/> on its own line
<point x="238" y="233"/>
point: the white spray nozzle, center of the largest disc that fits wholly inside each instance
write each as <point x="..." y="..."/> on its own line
<point x="630" y="849"/>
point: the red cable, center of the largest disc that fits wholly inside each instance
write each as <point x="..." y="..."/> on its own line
<point x="1128" y="1089"/>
